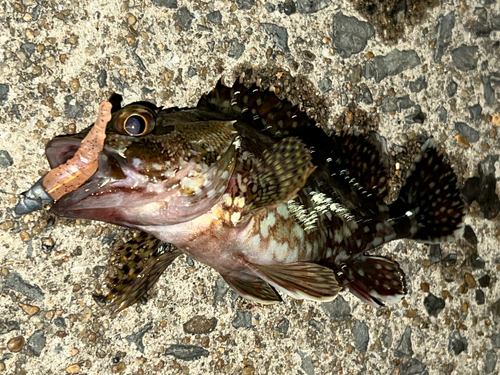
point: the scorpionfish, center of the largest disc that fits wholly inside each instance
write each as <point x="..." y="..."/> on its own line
<point x="249" y="185"/>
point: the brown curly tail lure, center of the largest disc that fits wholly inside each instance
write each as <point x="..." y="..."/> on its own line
<point x="72" y="174"/>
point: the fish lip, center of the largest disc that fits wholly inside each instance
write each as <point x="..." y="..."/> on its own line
<point x="74" y="203"/>
<point x="60" y="149"/>
<point x="67" y="203"/>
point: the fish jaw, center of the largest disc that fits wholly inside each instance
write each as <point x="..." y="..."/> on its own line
<point x="120" y="194"/>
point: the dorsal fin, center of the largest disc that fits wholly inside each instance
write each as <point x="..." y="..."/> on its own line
<point x="353" y="166"/>
<point x="362" y="157"/>
<point x="360" y="169"/>
<point x="263" y="109"/>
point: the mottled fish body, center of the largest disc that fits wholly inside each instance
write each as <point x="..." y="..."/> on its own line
<point x="249" y="185"/>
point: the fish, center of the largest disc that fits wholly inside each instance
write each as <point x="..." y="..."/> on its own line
<point x="250" y="185"/>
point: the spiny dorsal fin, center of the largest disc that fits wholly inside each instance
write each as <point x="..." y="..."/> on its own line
<point x="262" y="108"/>
<point x="300" y="280"/>
<point x="281" y="173"/>
<point x="253" y="288"/>
<point x="138" y="265"/>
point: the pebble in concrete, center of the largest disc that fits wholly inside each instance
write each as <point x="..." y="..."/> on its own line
<point x="471" y="134"/>
<point x="5" y="159"/>
<point x="391" y="64"/>
<point x="337" y="309"/>
<point x="136" y="338"/>
<point x="186" y="352"/>
<point x="444" y="30"/>
<point x="243" y="319"/>
<point x="490" y="361"/>
<point x="15" y="282"/>
<point x="312" y="6"/>
<point x="350" y="35"/>
<point x="457" y="344"/>
<point x="465" y="57"/>
<point x="37" y="342"/>
<point x="433" y="305"/>
<point x="278" y="34"/>
<point x="361" y="335"/>
<point x="405" y="347"/>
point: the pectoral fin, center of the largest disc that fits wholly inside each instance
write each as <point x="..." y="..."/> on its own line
<point x="138" y="264"/>
<point x="301" y="280"/>
<point x="253" y="288"/>
<point x="281" y="173"/>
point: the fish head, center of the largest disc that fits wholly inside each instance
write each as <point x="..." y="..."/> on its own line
<point x="157" y="167"/>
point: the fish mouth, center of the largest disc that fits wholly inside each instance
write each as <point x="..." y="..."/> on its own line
<point x="58" y="152"/>
<point x="60" y="149"/>
<point x="104" y="195"/>
<point x="118" y="193"/>
<point x="87" y="201"/>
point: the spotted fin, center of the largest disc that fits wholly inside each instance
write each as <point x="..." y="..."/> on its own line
<point x="279" y="175"/>
<point x="300" y="280"/>
<point x="253" y="288"/>
<point x="375" y="280"/>
<point x="364" y="158"/>
<point x="138" y="265"/>
<point x="263" y="109"/>
<point x="360" y="170"/>
<point x="430" y="207"/>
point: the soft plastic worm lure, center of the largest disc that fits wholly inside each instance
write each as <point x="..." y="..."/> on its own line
<point x="72" y="174"/>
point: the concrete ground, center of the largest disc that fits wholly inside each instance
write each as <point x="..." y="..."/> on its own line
<point x="432" y="68"/>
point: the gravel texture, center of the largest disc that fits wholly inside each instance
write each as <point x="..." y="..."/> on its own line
<point x="431" y="69"/>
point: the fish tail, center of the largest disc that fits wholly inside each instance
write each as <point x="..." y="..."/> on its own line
<point x="430" y="208"/>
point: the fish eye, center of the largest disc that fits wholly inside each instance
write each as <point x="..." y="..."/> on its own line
<point x="135" y="125"/>
<point x="135" y="120"/>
